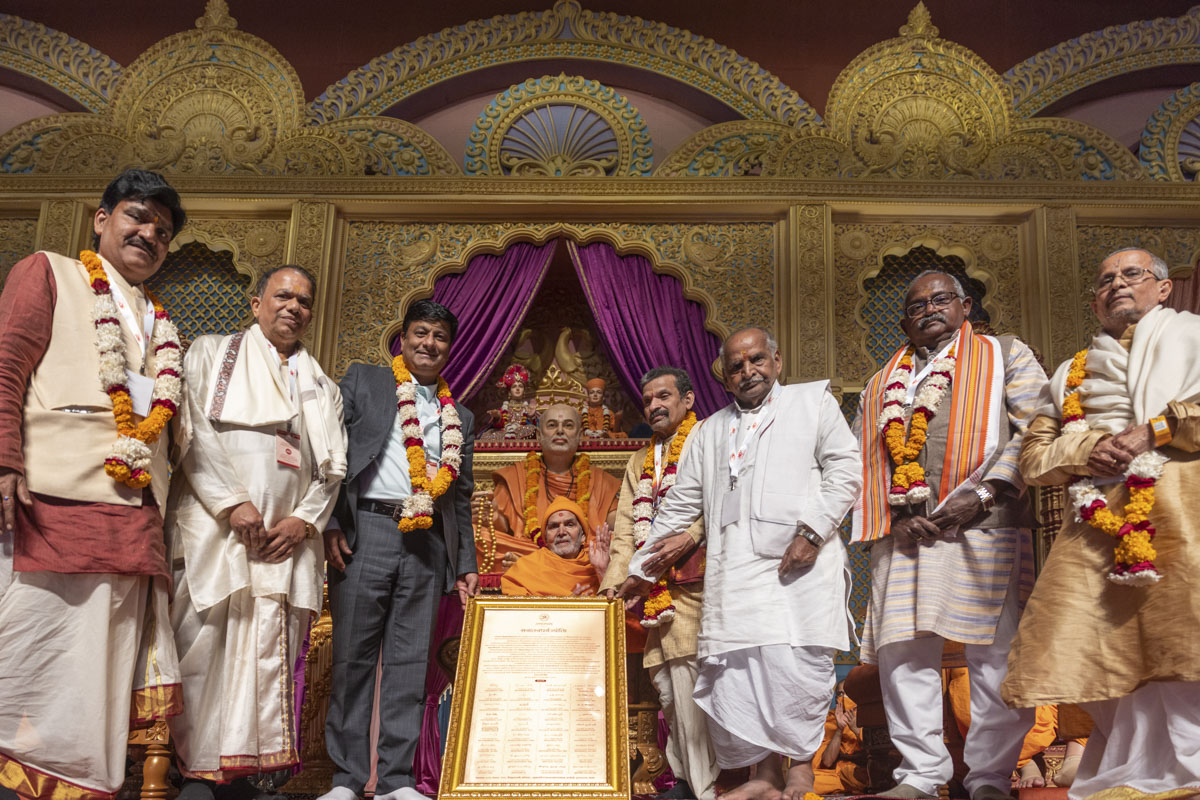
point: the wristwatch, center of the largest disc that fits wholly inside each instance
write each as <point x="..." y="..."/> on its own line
<point x="809" y="534"/>
<point x="310" y="530"/>
<point x="985" y="497"/>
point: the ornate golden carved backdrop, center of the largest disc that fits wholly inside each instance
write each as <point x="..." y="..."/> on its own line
<point x="780" y="217"/>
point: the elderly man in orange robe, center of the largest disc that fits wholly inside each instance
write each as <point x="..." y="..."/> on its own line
<point x="564" y="567"/>
<point x="524" y="490"/>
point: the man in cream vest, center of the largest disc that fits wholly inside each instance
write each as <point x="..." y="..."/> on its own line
<point x="90" y="375"/>
<point x="773" y="474"/>
<point x="266" y="456"/>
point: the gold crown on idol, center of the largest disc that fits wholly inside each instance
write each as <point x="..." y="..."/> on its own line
<point x="557" y="386"/>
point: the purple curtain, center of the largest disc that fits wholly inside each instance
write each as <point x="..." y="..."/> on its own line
<point x="646" y="322"/>
<point x="490" y="298"/>
<point x="427" y="766"/>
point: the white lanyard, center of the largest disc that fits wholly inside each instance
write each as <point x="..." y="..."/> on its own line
<point x="658" y="456"/>
<point x="915" y="383"/>
<point x="141" y="334"/>
<point x="738" y="455"/>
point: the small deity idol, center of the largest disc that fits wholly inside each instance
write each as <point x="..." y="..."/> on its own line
<point x="600" y="421"/>
<point x="517" y="416"/>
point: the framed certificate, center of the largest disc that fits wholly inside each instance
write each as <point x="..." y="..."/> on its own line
<point x="539" y="706"/>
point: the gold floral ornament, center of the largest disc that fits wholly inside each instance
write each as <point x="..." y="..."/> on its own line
<point x="216" y="101"/>
<point x="559" y="126"/>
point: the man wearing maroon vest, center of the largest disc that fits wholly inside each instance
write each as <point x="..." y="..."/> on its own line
<point x="90" y="376"/>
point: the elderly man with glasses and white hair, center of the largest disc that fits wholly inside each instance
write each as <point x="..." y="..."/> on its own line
<point x="1112" y="622"/>
<point x="944" y="509"/>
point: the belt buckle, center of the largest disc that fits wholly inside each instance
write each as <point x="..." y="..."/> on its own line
<point x="397" y="511"/>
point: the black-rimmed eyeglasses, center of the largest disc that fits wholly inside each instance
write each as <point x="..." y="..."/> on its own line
<point x="939" y="300"/>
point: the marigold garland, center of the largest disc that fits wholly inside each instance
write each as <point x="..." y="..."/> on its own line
<point x="417" y="508"/>
<point x="908" y="477"/>
<point x="128" y="461"/>
<point x="1133" y="556"/>
<point x="659" y="606"/>
<point x="581" y="472"/>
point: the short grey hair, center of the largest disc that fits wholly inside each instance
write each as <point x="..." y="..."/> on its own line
<point x="772" y="344"/>
<point x="925" y="273"/>
<point x="1157" y="265"/>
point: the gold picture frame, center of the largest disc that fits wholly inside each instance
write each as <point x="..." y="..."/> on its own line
<point x="539" y="707"/>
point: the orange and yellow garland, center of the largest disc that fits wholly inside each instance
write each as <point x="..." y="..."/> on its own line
<point x="908" y="476"/>
<point x="581" y="471"/>
<point x="659" y="606"/>
<point x="417" y="508"/>
<point x="129" y="460"/>
<point x="1133" y="557"/>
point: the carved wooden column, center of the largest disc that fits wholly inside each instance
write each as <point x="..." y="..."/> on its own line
<point x="805" y="302"/>
<point x="158" y="759"/>
<point x="1062" y="303"/>
<point x="310" y="245"/>
<point x="62" y="227"/>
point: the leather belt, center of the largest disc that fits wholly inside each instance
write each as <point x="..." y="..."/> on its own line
<point x="392" y="510"/>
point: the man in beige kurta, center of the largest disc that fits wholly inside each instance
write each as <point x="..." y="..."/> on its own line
<point x="85" y="645"/>
<point x="1128" y="654"/>
<point x="258" y="483"/>
<point x="670" y="653"/>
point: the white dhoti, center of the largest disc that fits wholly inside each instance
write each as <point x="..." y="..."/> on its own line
<point x="1148" y="741"/>
<point x="239" y="716"/>
<point x="689" y="749"/>
<point x="73" y="647"/>
<point x="764" y="700"/>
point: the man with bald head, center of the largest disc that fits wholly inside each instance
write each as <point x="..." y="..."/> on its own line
<point x="773" y="473"/>
<point x="556" y="469"/>
<point x="1112" y="622"/>
<point x="944" y="510"/>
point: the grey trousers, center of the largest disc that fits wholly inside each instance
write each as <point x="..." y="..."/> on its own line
<point x="384" y="607"/>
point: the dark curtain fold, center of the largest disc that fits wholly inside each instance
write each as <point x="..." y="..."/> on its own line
<point x="646" y="321"/>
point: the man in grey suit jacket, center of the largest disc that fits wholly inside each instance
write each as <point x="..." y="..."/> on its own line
<point x="388" y="568"/>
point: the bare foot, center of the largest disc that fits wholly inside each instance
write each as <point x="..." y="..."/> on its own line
<point x="799" y="781"/>
<point x="766" y="781"/>
<point x="757" y="789"/>
<point x="1066" y="773"/>
<point x="1031" y="777"/>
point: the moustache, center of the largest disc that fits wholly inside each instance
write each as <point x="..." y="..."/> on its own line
<point x="925" y="322"/>
<point x="751" y="382"/>
<point x="138" y="241"/>
<point x="658" y="413"/>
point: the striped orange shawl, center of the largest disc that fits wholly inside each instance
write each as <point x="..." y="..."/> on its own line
<point x="967" y="447"/>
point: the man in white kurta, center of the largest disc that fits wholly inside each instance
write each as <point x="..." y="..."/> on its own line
<point x="258" y="483"/>
<point x="773" y="474"/>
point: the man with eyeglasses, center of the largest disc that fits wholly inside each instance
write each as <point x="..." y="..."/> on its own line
<point x="1112" y="622"/>
<point x="944" y="510"/>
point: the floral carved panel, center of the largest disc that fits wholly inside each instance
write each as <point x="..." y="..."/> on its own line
<point x="990" y="253"/>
